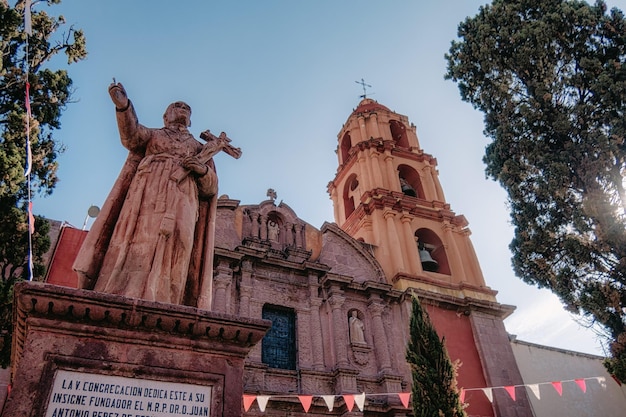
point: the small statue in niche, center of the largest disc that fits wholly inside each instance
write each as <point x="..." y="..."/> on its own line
<point x="272" y="231"/>
<point x="357" y="329"/>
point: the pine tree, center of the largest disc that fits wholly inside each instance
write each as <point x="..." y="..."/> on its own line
<point x="434" y="391"/>
<point x="550" y="78"/>
<point x="50" y="92"/>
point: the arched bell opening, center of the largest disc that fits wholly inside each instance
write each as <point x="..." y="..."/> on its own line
<point x="344" y="148"/>
<point x="410" y="182"/>
<point x="350" y="194"/>
<point x="398" y="133"/>
<point x="432" y="253"/>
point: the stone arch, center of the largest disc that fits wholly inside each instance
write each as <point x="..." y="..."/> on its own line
<point x="410" y="181"/>
<point x="429" y="241"/>
<point x="350" y="194"/>
<point x="398" y="133"/>
<point x="344" y="147"/>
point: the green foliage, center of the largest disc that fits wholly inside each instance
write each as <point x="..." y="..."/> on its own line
<point x="50" y="91"/>
<point x="550" y="78"/>
<point x="434" y="392"/>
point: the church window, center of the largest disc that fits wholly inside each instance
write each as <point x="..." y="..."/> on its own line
<point x="278" y="348"/>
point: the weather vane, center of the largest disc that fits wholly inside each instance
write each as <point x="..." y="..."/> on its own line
<point x="362" y="84"/>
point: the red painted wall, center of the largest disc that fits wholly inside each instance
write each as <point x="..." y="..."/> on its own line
<point x="459" y="340"/>
<point x="60" y="269"/>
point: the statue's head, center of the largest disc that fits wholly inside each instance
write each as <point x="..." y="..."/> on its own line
<point x="178" y="112"/>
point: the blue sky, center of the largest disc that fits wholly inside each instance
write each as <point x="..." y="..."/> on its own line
<point x="279" y="78"/>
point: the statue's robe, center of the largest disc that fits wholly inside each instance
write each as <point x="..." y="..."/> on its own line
<point x="153" y="238"/>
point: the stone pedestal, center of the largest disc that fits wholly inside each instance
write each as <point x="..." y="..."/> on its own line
<point x="81" y="353"/>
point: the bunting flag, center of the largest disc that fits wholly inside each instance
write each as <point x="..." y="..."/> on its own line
<point x="511" y="391"/>
<point x="329" y="400"/>
<point x="28" y="24"/>
<point x="404" y="398"/>
<point x="489" y="393"/>
<point x="262" y="400"/>
<point x="247" y="401"/>
<point x="581" y="384"/>
<point x="349" y="399"/>
<point x="305" y="400"/>
<point x="359" y="399"/>
<point x="535" y="390"/>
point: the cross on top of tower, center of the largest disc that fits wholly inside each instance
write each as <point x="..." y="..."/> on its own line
<point x="362" y="84"/>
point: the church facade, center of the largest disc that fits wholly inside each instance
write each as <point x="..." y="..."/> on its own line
<point x="339" y="297"/>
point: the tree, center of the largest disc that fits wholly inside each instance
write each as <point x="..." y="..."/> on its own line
<point x="550" y="78"/>
<point x="50" y="92"/>
<point x="434" y="391"/>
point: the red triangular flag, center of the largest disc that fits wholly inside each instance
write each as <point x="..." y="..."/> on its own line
<point x="305" y="400"/>
<point x="404" y="397"/>
<point x="247" y="401"/>
<point x="511" y="391"/>
<point x="581" y="384"/>
<point x="462" y="395"/>
<point x="349" y="399"/>
<point x="558" y="387"/>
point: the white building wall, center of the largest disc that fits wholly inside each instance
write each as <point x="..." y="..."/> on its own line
<point x="543" y="365"/>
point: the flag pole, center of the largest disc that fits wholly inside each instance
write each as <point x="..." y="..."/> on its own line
<point x="28" y="29"/>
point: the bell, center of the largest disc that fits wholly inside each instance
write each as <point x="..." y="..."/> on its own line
<point x="408" y="190"/>
<point x="428" y="263"/>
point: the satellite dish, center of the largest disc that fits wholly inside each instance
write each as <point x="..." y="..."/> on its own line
<point x="93" y="211"/>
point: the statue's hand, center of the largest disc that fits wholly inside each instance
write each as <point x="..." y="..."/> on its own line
<point x="118" y="96"/>
<point x="194" y="165"/>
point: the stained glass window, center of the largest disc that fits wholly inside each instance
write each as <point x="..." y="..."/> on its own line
<point x="278" y="349"/>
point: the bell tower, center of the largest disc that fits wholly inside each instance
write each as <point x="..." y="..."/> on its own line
<point x="387" y="193"/>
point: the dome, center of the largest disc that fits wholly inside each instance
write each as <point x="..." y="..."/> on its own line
<point x="367" y="105"/>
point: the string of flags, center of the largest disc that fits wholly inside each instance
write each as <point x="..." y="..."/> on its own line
<point x="359" y="399"/>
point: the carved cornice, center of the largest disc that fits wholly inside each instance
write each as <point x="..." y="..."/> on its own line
<point x="90" y="313"/>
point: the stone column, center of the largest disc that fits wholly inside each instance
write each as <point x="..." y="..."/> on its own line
<point x="221" y="282"/>
<point x="316" y="334"/>
<point x="454" y="257"/>
<point x="392" y="174"/>
<point x="300" y="237"/>
<point x="263" y="227"/>
<point x="378" y="179"/>
<point x="255" y="225"/>
<point x="245" y="289"/>
<point x="411" y="252"/>
<point x="375" y="307"/>
<point x="340" y="329"/>
<point x="394" y="243"/>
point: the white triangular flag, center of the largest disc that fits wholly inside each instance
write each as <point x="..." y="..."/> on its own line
<point x="262" y="400"/>
<point x="359" y="400"/>
<point x="330" y="401"/>
<point x="488" y="393"/>
<point x="535" y="389"/>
